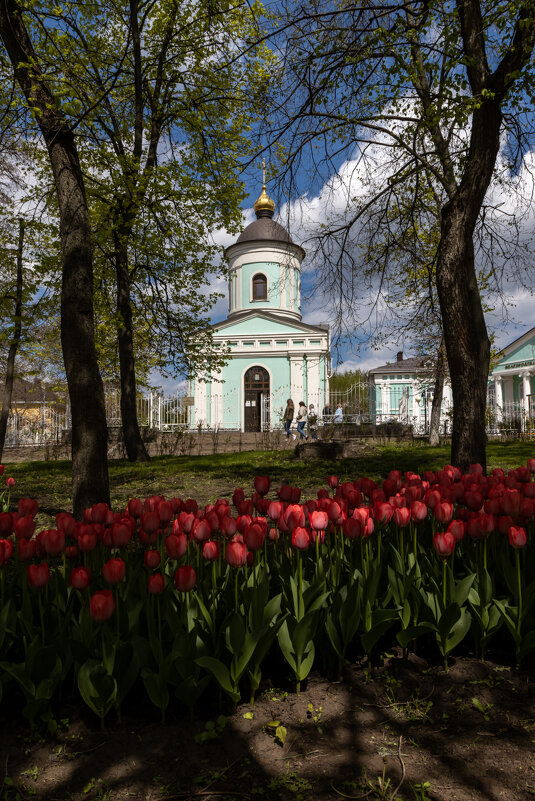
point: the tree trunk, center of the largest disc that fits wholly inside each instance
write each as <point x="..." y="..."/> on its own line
<point x="466" y="338"/>
<point x="135" y="447"/>
<point x="14" y="345"/>
<point x="438" y="393"/>
<point x="90" y="483"/>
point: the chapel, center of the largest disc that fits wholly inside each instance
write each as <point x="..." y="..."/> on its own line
<point x="272" y="354"/>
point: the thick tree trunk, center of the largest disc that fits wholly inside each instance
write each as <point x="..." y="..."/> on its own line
<point x="90" y="482"/>
<point x="438" y="394"/>
<point x="14" y="345"/>
<point x="135" y="447"/>
<point x="466" y="338"/>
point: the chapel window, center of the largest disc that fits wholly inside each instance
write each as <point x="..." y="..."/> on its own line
<point x="259" y="287"/>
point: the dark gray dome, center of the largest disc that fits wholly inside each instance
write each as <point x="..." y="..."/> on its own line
<point x="264" y="228"/>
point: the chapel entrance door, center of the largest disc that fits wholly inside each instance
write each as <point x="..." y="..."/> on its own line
<point x="255" y="388"/>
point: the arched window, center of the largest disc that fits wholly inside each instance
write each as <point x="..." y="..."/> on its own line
<point x="259" y="287"/>
<point x="257" y="378"/>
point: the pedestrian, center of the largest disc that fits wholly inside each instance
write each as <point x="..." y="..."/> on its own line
<point x="338" y="415"/>
<point x="288" y="417"/>
<point x="327" y="411"/>
<point x="302" y="419"/>
<point x="312" y="421"/>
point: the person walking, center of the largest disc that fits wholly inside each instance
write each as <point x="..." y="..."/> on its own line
<point x="338" y="415"/>
<point x="288" y="417"/>
<point x="302" y="419"/>
<point x="312" y="421"/>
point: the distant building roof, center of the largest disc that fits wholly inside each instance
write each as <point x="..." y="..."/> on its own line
<point x="32" y="392"/>
<point x="414" y="364"/>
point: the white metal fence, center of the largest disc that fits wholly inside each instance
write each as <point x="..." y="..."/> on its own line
<point x="41" y="423"/>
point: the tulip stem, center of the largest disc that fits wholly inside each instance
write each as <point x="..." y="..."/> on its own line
<point x="236" y="591"/>
<point x="444" y="574"/>
<point x="519" y="594"/>
<point x="41" y="616"/>
<point x="299" y="586"/>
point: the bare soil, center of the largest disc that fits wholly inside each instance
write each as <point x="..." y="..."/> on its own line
<point x="405" y="730"/>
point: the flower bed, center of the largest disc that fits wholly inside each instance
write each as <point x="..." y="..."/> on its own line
<point x="178" y="597"/>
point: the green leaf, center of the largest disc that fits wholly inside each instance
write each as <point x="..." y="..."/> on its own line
<point x="156" y="687"/>
<point x="220" y="673"/>
<point x="97" y="687"/>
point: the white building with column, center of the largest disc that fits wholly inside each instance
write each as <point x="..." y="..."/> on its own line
<point x="511" y="391"/>
<point x="272" y="354"/>
<point x="402" y="390"/>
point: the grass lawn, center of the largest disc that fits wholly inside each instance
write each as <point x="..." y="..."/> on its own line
<point x="206" y="478"/>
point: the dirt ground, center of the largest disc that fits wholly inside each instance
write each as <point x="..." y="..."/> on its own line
<point x="406" y="730"/>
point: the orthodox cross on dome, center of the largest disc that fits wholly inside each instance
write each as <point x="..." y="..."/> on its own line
<point x="264" y="206"/>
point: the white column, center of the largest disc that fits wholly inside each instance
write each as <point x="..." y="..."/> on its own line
<point x="498" y="390"/>
<point x="386" y="398"/>
<point x="216" y="400"/>
<point x="313" y="382"/>
<point x="526" y="385"/>
<point x="296" y="379"/>
<point x="200" y="402"/>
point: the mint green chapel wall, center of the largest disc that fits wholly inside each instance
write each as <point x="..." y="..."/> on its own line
<point x="272" y="272"/>
<point x="232" y="374"/>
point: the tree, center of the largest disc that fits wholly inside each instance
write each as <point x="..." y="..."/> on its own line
<point x="89" y="432"/>
<point x="446" y="85"/>
<point x="159" y="113"/>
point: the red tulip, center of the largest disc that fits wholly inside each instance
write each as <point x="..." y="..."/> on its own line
<point x="444" y="544"/>
<point x="236" y="554"/>
<point x="121" y="534"/>
<point x="476" y="469"/>
<point x="66" y="523"/>
<point x="511" y="500"/>
<point x="319" y="520"/>
<point x="71" y="551"/>
<point x="10" y="482"/>
<point x="185" y="578"/>
<point x="102" y="605"/>
<point x="2" y="468"/>
<point x="24" y="527"/>
<point x="176" y="545"/>
<point x="98" y="513"/>
<point x="6" y="551"/>
<point x="6" y="523"/>
<point x="114" y="570"/>
<point x="26" y="549"/>
<point x="135" y="507"/>
<point x="201" y="530"/>
<point x="517" y="537"/>
<point x="333" y="481"/>
<point x="418" y="511"/>
<point x="53" y="541"/>
<point x="402" y="516"/>
<point x="87" y="539"/>
<point x="237" y="496"/>
<point x="333" y="510"/>
<point x="150" y="521"/>
<point x="443" y="511"/>
<point x="481" y="526"/>
<point x="294" y="516"/>
<point x="156" y="584"/>
<point x="458" y="529"/>
<point x="254" y="536"/>
<point x="151" y="559"/>
<point x="262" y="484"/>
<point x="28" y="506"/>
<point x="300" y="538"/>
<point x="228" y="526"/>
<point x="38" y="575"/>
<point x="274" y="510"/>
<point x="165" y="512"/>
<point x="530" y="465"/>
<point x="80" y="578"/>
<point x="242" y="522"/>
<point x="352" y="528"/>
<point x="210" y="551"/>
